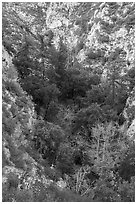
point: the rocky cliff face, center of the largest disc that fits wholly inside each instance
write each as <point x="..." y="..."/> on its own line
<point x="131" y="131"/>
<point x="129" y="111"/>
<point x="129" y="114"/>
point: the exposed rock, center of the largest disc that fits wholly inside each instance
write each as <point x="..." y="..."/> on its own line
<point x="129" y="114"/>
<point x="131" y="131"/>
<point x="129" y="111"/>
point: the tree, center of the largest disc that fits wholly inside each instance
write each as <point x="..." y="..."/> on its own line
<point x="67" y="77"/>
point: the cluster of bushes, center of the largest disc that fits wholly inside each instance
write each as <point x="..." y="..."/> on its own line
<point x="64" y="132"/>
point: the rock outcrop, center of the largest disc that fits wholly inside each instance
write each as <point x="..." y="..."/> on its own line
<point x="129" y="114"/>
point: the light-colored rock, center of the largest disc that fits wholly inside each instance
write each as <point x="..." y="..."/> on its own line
<point x="129" y="111"/>
<point x="131" y="131"/>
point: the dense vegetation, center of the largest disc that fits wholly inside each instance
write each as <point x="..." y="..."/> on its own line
<point x="68" y="102"/>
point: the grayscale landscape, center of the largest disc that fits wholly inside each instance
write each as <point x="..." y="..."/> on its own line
<point x="68" y="106"/>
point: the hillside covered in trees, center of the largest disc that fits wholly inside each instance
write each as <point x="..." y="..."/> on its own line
<point x="68" y="86"/>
